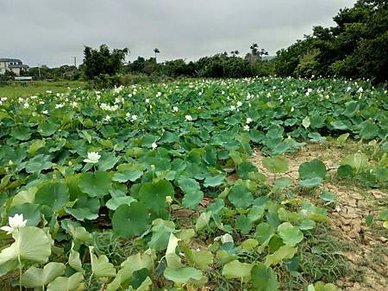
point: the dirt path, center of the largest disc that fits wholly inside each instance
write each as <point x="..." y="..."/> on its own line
<point x="368" y="245"/>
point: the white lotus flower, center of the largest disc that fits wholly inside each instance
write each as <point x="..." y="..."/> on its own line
<point x="246" y="127"/>
<point x="118" y="89"/>
<point x="119" y="100"/>
<point x="169" y="199"/>
<point x="175" y="109"/>
<point x="249" y="120"/>
<point x="189" y="118"/>
<point x="154" y="145"/>
<point x="93" y="158"/>
<point x="15" y="223"/>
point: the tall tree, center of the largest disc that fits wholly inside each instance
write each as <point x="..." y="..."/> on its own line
<point x="102" y="61"/>
<point x="256" y="53"/>
<point x="156" y="51"/>
<point x="356" y="47"/>
<point x="235" y="53"/>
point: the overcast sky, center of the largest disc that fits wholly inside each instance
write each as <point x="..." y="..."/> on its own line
<point x="52" y="32"/>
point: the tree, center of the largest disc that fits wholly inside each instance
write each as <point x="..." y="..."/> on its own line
<point x="355" y="47"/>
<point x="256" y="53"/>
<point x="137" y="66"/>
<point x="156" y="51"/>
<point x="235" y="53"/>
<point x="102" y="61"/>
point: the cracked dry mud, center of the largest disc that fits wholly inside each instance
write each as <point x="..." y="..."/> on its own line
<point x="368" y="246"/>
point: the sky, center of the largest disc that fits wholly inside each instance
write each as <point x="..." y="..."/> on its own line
<point x="53" y="32"/>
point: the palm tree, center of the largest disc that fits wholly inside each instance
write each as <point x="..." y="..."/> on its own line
<point x="156" y="51"/>
<point x="254" y="48"/>
<point x="256" y="53"/>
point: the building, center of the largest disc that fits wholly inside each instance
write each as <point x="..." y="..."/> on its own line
<point x="13" y="65"/>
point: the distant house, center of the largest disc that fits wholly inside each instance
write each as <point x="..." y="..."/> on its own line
<point x="13" y="65"/>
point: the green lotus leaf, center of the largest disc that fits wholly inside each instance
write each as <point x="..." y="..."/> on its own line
<point x="240" y="196"/>
<point x="36" y="277"/>
<point x="290" y="234"/>
<point x="55" y="195"/>
<point x="71" y="283"/>
<point x="31" y="244"/>
<point x="264" y="278"/>
<point x="237" y="270"/>
<point x="130" y="220"/>
<point x="95" y="184"/>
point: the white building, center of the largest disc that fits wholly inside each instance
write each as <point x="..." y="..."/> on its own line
<point x="13" y="65"/>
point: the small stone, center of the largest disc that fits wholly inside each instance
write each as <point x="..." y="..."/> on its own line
<point x="383" y="239"/>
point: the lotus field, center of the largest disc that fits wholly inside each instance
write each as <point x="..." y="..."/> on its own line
<point x="156" y="187"/>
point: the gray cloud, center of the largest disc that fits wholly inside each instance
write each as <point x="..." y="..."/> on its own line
<point x="51" y="32"/>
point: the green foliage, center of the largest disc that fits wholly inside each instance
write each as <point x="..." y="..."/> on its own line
<point x="312" y="173"/>
<point x="237" y="270"/>
<point x="355" y="47"/>
<point x="132" y="220"/>
<point x="276" y="164"/>
<point x="264" y="279"/>
<point x="182" y="275"/>
<point x="102" y="61"/>
<point x="174" y="186"/>
<point x="240" y="196"/>
<point x="290" y="234"/>
<point x="192" y="191"/>
<point x="66" y="283"/>
<point x="30" y="244"/>
<point x="53" y="195"/>
<point x="35" y="277"/>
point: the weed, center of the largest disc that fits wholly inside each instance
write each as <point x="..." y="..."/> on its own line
<point x="117" y="250"/>
<point x="320" y="259"/>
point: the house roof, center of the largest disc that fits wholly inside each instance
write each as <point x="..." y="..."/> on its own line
<point x="18" y="66"/>
<point x="10" y="60"/>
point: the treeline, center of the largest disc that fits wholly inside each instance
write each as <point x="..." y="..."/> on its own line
<point x="221" y="65"/>
<point x="356" y="47"/>
<point x="64" y="72"/>
<point x="105" y="67"/>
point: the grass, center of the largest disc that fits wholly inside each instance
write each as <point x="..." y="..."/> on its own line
<point x="115" y="249"/>
<point x="320" y="259"/>
<point x="21" y="89"/>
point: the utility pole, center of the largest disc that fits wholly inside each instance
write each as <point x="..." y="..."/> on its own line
<point x="39" y="71"/>
<point x="75" y="61"/>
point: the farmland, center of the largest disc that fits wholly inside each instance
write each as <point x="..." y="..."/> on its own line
<point x="21" y="89"/>
<point x="247" y="184"/>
